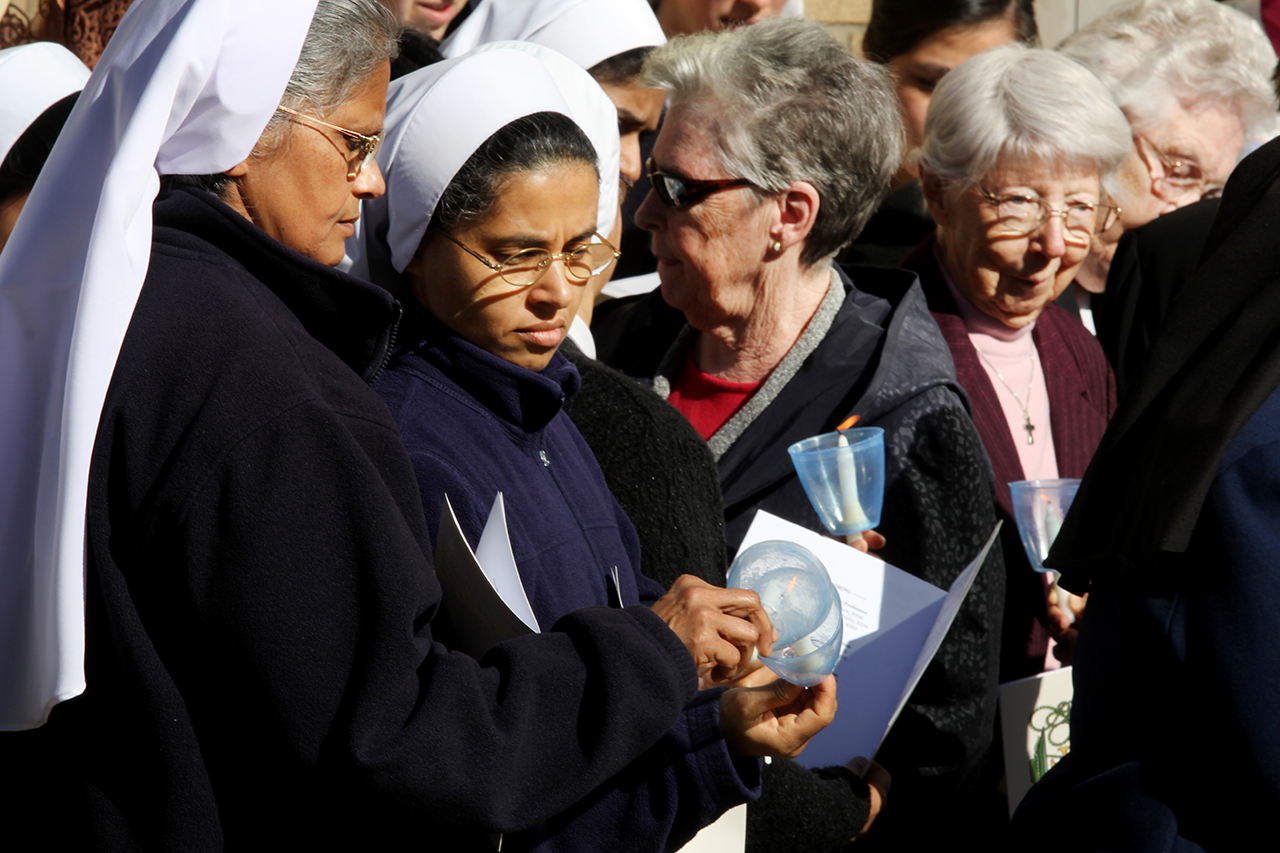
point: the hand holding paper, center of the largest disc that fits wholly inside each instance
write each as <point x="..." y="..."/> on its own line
<point x="720" y="627"/>
<point x="777" y="719"/>
<point x="878" y="781"/>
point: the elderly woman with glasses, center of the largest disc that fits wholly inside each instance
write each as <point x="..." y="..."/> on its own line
<point x="1193" y="77"/>
<point x="1017" y="145"/>
<point x="776" y="148"/>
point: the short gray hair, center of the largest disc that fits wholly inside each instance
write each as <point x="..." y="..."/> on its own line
<point x="791" y="104"/>
<point x="1149" y="52"/>
<point x="347" y="41"/>
<point x="1025" y="104"/>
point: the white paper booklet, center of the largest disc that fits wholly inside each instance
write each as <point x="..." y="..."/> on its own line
<point x="1035" y="723"/>
<point x="893" y="625"/>
<point x="483" y="594"/>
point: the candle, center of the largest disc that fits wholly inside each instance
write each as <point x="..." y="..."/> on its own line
<point x="853" y="516"/>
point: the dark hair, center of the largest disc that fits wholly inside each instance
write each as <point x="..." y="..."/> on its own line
<point x="621" y="69"/>
<point x="26" y="158"/>
<point x="897" y="26"/>
<point x="527" y="144"/>
<point x="417" y="50"/>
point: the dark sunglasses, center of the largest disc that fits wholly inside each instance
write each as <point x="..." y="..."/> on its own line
<point x="678" y="193"/>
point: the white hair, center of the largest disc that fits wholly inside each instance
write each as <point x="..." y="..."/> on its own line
<point x="1024" y="104"/>
<point x="791" y="104"/>
<point x="1152" y="54"/>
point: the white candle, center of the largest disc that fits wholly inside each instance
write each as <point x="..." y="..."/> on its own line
<point x="853" y="515"/>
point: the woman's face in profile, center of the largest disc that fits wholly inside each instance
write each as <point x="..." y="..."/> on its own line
<point x="554" y="210"/>
<point x="301" y="192"/>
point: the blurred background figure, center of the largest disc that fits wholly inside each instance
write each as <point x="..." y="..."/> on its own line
<point x="1193" y="77"/>
<point x="776" y="147"/>
<point x="920" y="41"/>
<point x="38" y="85"/>
<point x="429" y="17"/>
<point x="684" y="17"/>
<point x="83" y="26"/>
<point x="1016" y="146"/>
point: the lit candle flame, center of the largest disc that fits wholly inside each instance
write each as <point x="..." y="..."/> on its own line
<point x="849" y="423"/>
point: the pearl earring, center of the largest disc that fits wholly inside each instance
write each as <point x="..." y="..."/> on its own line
<point x="776" y="246"/>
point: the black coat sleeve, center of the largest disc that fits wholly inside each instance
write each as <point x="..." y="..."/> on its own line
<point x="269" y="621"/>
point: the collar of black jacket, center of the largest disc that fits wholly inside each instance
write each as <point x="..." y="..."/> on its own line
<point x="353" y="318"/>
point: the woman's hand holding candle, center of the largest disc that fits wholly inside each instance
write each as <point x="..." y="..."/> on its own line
<point x="867" y="541"/>
<point x="720" y="627"/>
<point x="776" y="719"/>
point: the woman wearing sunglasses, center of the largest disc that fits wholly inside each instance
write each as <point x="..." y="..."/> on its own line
<point x="1013" y="176"/>
<point x="491" y="233"/>
<point x="776" y="148"/>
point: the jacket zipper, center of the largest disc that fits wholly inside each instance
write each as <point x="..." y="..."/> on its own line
<point x="391" y="340"/>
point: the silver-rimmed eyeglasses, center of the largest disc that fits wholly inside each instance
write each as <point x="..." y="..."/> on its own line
<point x="1018" y="215"/>
<point x="525" y="268"/>
<point x="362" y="147"/>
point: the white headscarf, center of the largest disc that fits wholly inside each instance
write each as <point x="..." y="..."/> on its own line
<point x="184" y="87"/>
<point x="33" y="78"/>
<point x="586" y="31"/>
<point x="439" y="115"/>
<point x="591" y="108"/>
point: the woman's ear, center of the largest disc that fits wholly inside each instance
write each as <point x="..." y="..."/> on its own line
<point x="798" y="207"/>
<point x="239" y="170"/>
<point x="935" y="196"/>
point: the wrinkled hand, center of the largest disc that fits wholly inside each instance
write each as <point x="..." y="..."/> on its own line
<point x="720" y="627"/>
<point x="866" y="542"/>
<point x="777" y="719"/>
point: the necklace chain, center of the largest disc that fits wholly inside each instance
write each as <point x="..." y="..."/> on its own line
<point x="1025" y="406"/>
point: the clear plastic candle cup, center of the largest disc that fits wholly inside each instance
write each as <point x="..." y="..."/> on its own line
<point x="798" y="595"/>
<point x="1039" y="506"/>
<point x="843" y="475"/>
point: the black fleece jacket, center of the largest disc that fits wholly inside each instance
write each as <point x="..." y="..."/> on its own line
<point x="261" y="668"/>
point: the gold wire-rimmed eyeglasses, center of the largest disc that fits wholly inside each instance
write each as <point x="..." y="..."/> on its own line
<point x="1019" y="215"/>
<point x="524" y="268"/>
<point x="365" y="147"/>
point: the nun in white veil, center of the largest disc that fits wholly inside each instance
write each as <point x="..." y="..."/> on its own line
<point x="610" y="40"/>
<point x="216" y="600"/>
<point x="38" y="84"/>
<point x="184" y="87"/>
<point x="488" y="232"/>
<point x="32" y="78"/>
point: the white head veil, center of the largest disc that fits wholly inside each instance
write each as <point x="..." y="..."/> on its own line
<point x="586" y="31"/>
<point x="33" y="78"/>
<point x="184" y="87"/>
<point x="591" y="108"/>
<point x="436" y="119"/>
